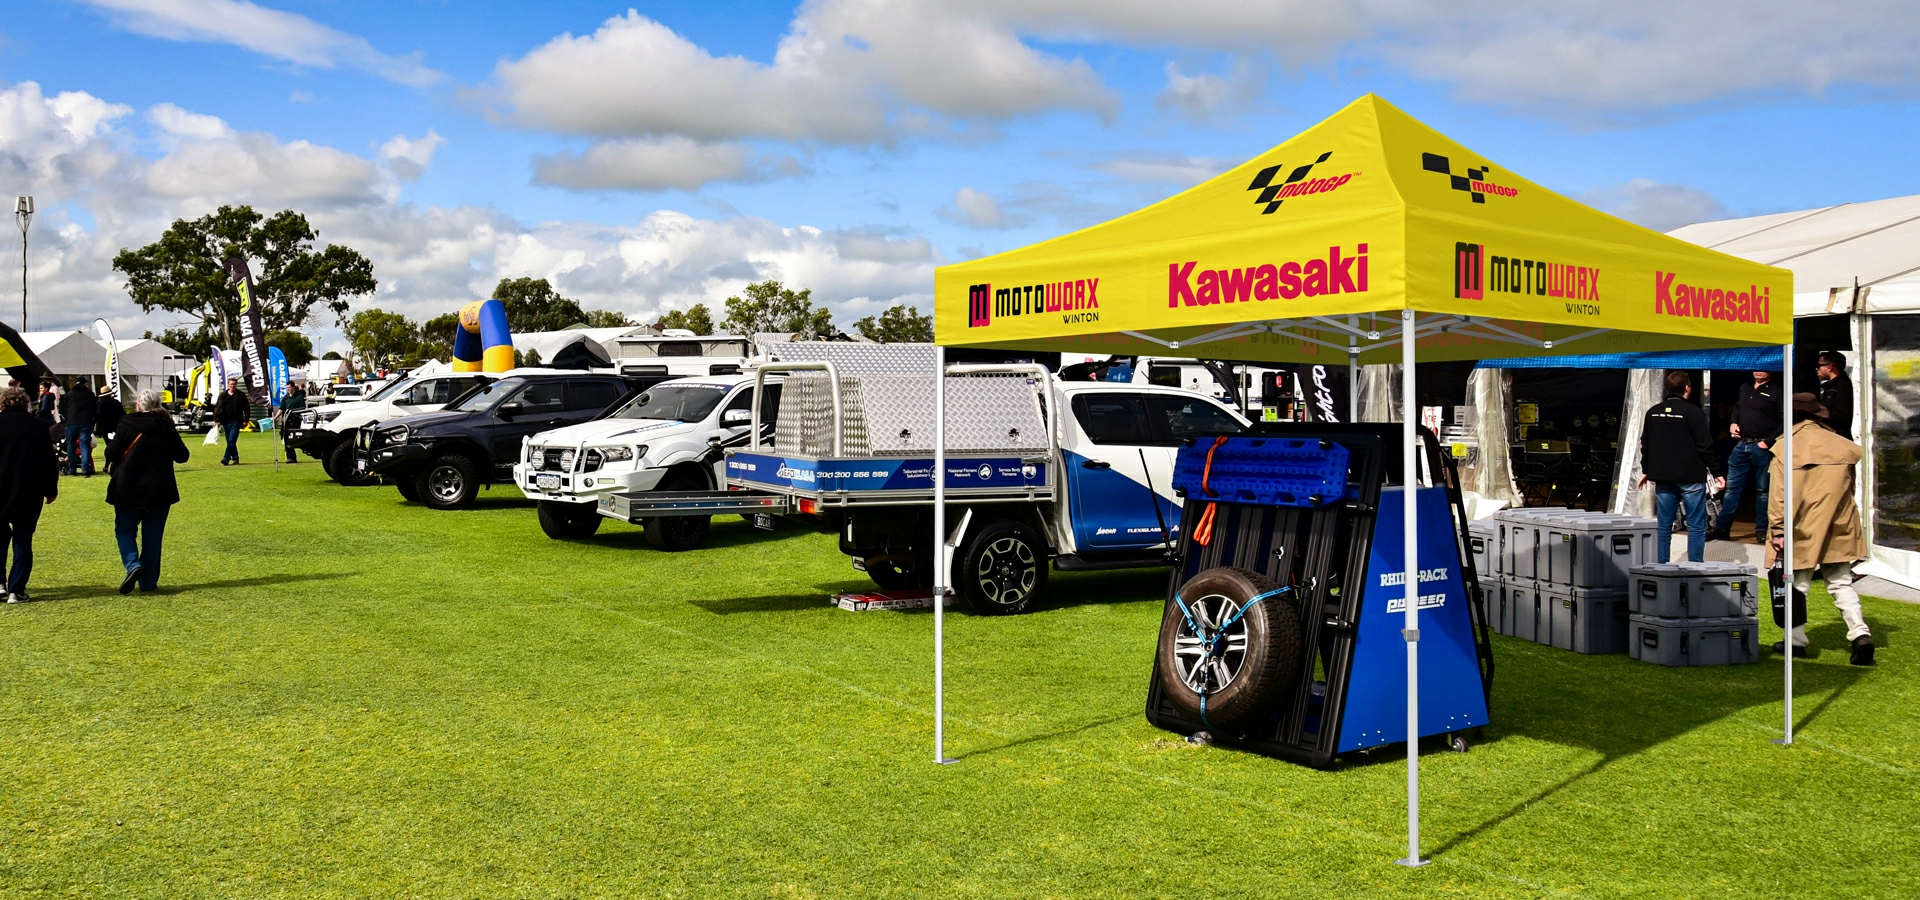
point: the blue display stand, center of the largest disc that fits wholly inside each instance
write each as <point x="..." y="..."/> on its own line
<point x="1451" y="695"/>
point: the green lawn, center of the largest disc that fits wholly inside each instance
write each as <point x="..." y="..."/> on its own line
<point x="341" y="695"/>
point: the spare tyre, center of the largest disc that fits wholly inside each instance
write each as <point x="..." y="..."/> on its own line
<point x="1225" y="659"/>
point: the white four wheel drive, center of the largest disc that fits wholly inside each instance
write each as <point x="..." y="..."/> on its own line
<point x="671" y="437"/>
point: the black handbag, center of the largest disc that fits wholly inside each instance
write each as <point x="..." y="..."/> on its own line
<point x="1780" y="585"/>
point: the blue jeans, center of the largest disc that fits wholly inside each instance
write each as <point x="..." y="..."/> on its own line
<point x="79" y="450"/>
<point x="232" y="431"/>
<point x="131" y="521"/>
<point x="1748" y="462"/>
<point x="1667" y="497"/>
<point x="16" y="528"/>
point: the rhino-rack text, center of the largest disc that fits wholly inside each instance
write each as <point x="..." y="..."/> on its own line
<point x="1336" y="274"/>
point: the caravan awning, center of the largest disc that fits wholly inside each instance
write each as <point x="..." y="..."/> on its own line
<point x="1289" y="256"/>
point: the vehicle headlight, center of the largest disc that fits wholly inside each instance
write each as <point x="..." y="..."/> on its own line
<point x="322" y="418"/>
<point x="616" y="454"/>
<point x="598" y="456"/>
<point x="398" y="434"/>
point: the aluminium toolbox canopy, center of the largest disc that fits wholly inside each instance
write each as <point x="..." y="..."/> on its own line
<point x="1281" y="258"/>
<point x="1293" y="256"/>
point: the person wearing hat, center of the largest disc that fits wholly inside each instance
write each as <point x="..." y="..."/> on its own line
<point x="107" y="414"/>
<point x="231" y="411"/>
<point x="1826" y="523"/>
<point x="1836" y="392"/>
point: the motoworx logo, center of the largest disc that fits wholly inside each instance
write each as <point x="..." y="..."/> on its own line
<point x="1077" y="301"/>
<point x="1476" y="271"/>
<point x="1673" y="298"/>
<point x="1297" y="184"/>
<point x="1474" y="182"/>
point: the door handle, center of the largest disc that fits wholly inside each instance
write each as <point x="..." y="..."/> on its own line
<point x="1095" y="464"/>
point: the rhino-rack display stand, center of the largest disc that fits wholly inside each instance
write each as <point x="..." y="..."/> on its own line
<point x="1326" y="552"/>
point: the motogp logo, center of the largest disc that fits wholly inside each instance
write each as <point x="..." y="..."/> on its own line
<point x="1474" y="182"/>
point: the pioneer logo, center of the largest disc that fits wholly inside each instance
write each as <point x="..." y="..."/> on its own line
<point x="1474" y="182"/>
<point x="1671" y="298"/>
<point x="1297" y="183"/>
<point x="1336" y="274"/>
<point x="1076" y="301"/>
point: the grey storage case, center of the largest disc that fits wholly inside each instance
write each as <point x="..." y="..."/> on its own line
<point x="1584" y="621"/>
<point x="1723" y="641"/>
<point x="1695" y="590"/>
<point x="1595" y="552"/>
<point x="1520" y="533"/>
<point x="1520" y="609"/>
<point x="1483" y="542"/>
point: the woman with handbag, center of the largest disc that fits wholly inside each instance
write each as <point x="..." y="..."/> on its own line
<point x="142" y="490"/>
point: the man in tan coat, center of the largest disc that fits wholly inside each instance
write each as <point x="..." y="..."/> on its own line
<point x="1826" y="523"/>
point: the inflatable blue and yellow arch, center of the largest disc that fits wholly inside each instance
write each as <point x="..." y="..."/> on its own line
<point x="482" y="341"/>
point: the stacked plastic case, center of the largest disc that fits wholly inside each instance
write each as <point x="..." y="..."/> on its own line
<point x="1560" y="577"/>
<point x="1695" y="614"/>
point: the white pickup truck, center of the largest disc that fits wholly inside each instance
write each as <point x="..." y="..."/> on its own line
<point x="671" y="437"/>
<point x="326" y="433"/>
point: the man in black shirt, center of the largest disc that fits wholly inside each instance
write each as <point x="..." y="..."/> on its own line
<point x="1756" y="423"/>
<point x="1676" y="454"/>
<point x="232" y="411"/>
<point x="76" y="412"/>
<point x="1836" y="393"/>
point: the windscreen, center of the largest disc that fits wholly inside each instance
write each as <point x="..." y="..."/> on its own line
<point x="485" y="396"/>
<point x="681" y="402"/>
<point x="388" y="388"/>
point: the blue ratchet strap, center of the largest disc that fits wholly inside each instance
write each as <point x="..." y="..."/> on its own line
<point x="1210" y="644"/>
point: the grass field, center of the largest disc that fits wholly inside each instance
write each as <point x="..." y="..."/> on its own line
<point x="337" y="694"/>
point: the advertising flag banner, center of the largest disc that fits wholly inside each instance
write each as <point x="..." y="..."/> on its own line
<point x="1325" y="388"/>
<point x="220" y="374"/>
<point x="277" y="374"/>
<point x="253" y="337"/>
<point x="18" y="358"/>
<point x="105" y="335"/>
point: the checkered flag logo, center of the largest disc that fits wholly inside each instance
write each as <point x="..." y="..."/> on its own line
<point x="1434" y="162"/>
<point x="1270" y="191"/>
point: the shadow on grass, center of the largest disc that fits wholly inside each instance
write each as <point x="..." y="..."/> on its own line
<point x="1620" y="708"/>
<point x="783" y="603"/>
<point x="90" y="591"/>
<point x="1051" y="735"/>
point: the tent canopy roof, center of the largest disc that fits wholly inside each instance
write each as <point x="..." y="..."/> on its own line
<point x="1877" y="243"/>
<point x="1311" y="250"/>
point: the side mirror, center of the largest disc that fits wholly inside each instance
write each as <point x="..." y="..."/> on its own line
<point x="733" y="417"/>
<point x="510" y="410"/>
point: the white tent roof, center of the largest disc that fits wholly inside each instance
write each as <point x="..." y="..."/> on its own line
<point x="144" y="356"/>
<point x="1877" y="242"/>
<point x="68" y="353"/>
<point x="549" y="342"/>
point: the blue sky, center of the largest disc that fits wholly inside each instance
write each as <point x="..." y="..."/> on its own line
<point x="667" y="155"/>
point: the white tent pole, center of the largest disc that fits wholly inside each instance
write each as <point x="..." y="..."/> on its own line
<point x="1785" y="487"/>
<point x="1409" y="494"/>
<point x="939" y="554"/>
<point x="1353" y="384"/>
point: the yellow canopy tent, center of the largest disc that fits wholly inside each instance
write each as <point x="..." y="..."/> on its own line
<point x="1338" y="245"/>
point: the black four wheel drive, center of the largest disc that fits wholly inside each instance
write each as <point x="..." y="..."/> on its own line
<point x="443" y="459"/>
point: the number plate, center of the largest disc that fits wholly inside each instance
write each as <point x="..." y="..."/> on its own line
<point x="763" y="521"/>
<point x="547" y="482"/>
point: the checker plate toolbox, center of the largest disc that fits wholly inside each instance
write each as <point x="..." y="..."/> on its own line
<point x="1300" y="504"/>
<point x="1561" y="577"/>
<point x="1695" y="614"/>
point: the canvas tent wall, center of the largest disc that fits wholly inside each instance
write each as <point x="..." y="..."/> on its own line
<point x="145" y="364"/>
<point x="1861" y="261"/>
<point x="69" y="354"/>
<point x="1372" y="237"/>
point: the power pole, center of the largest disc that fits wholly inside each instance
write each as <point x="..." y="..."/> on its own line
<point x="23" y="213"/>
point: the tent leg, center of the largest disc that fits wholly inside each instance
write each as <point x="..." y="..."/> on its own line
<point x="1353" y="384"/>
<point x="1409" y="494"/>
<point x="1785" y="487"/>
<point x="939" y="555"/>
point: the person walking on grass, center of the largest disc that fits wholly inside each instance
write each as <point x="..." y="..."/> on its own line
<point x="1676" y="454"/>
<point x="231" y="411"/>
<point x="1756" y="423"/>
<point x="1826" y="523"/>
<point x="142" y="489"/>
<point x="29" y="479"/>
<point x="290" y="407"/>
<point x="77" y="408"/>
<point x="106" y="415"/>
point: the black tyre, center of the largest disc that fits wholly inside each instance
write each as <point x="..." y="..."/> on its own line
<point x="1254" y="664"/>
<point x="450" y="481"/>
<point x="342" y="466"/>
<point x="677" y="533"/>
<point x="1003" y="567"/>
<point x="409" y="489"/>
<point x="568" y="521"/>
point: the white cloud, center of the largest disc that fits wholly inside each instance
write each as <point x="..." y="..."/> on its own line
<point x="282" y="35"/>
<point x="1165" y="168"/>
<point x="977" y="209"/>
<point x="653" y="164"/>
<point x="69" y="152"/>
<point x="1661" y="207"/>
<point x="1204" y="95"/>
